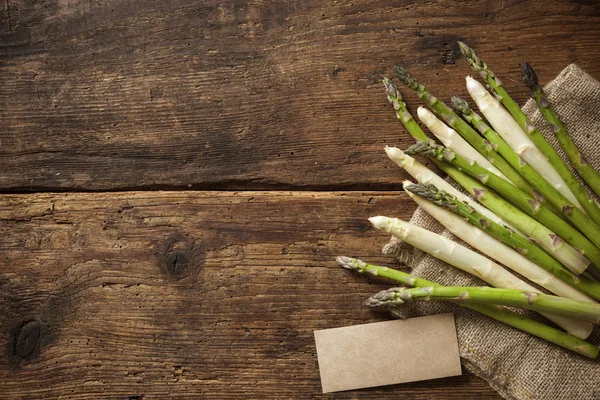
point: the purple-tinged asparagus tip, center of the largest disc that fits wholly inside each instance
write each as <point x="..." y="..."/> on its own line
<point x="529" y="76"/>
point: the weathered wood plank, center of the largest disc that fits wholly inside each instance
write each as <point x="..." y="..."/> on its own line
<point x="246" y="95"/>
<point x="187" y="295"/>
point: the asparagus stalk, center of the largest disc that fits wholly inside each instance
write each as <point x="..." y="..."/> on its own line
<point x="585" y="170"/>
<point x="511" y="132"/>
<point x="534" y="134"/>
<point x="539" y="302"/>
<point x="421" y="172"/>
<point x="424" y="175"/>
<point x="515" y="218"/>
<point x="526" y="203"/>
<point x="454" y="141"/>
<point x="503" y="315"/>
<point x="470" y="262"/>
<point x="543" y="191"/>
<point x="396" y="100"/>
<point x="501" y="243"/>
<point x="481" y="145"/>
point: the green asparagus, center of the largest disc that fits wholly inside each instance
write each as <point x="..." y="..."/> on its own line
<point x="511" y="215"/>
<point x="506" y="236"/>
<point x="586" y="171"/>
<point x="588" y="204"/>
<point x="481" y="145"/>
<point x="503" y="315"/>
<point x="539" y="302"/>
<point x="526" y="203"/>
<point x="544" y="191"/>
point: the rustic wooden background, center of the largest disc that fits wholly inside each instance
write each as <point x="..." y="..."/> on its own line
<point x="262" y="122"/>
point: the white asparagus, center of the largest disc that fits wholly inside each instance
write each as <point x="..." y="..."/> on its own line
<point x="426" y="176"/>
<point x="470" y="262"/>
<point x="497" y="250"/>
<point x="548" y="240"/>
<point x="452" y="140"/>
<point x="510" y="130"/>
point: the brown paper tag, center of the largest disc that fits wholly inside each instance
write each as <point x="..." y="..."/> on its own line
<point x="385" y="353"/>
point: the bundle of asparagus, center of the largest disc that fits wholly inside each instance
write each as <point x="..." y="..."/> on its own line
<point x="527" y="210"/>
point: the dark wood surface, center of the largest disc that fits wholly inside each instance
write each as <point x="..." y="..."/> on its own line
<point x="215" y="293"/>
<point x="247" y="95"/>
<point x="187" y="295"/>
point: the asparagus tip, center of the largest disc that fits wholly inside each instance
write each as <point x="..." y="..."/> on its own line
<point x="398" y="156"/>
<point x="405" y="77"/>
<point x="471" y="57"/>
<point x="460" y="105"/>
<point x="466" y="50"/>
<point x="391" y="90"/>
<point x="476" y="89"/>
<point x="350" y="263"/>
<point x="380" y="222"/>
<point x="529" y="76"/>
<point x="431" y="193"/>
<point x="420" y="148"/>
<point x="385" y="298"/>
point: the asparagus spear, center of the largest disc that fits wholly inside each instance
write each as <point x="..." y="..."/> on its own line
<point x="540" y="302"/>
<point x="481" y="145"/>
<point x="526" y="203"/>
<point x="577" y="160"/>
<point x="424" y="175"/>
<point x="515" y="218"/>
<point x="516" y="257"/>
<point x="534" y="134"/>
<point x="468" y="261"/>
<point x="503" y="315"/>
<point x="416" y="169"/>
<point x="454" y="141"/>
<point x="545" y="192"/>
<point x="511" y="132"/>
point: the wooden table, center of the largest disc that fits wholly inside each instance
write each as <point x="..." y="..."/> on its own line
<point x="178" y="177"/>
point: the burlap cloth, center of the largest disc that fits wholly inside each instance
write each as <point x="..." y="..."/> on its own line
<point x="516" y="364"/>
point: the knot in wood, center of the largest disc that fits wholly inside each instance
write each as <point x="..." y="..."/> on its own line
<point x="27" y="338"/>
<point x="176" y="263"/>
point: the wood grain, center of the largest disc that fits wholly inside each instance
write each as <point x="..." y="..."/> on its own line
<point x="118" y="94"/>
<point x="210" y="295"/>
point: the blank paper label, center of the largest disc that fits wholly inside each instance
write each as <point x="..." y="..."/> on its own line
<point x="385" y="353"/>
